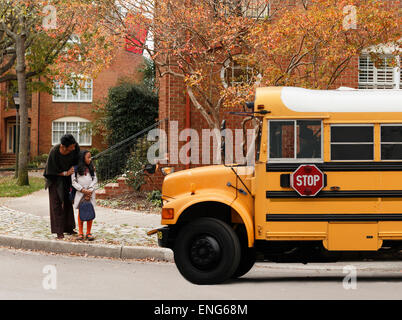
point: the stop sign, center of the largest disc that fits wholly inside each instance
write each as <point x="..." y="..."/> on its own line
<point x="307" y="180"/>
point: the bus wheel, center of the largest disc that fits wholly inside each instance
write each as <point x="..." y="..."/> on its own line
<point x="207" y="251"/>
<point x="248" y="255"/>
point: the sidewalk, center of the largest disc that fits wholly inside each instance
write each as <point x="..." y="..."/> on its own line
<point x="25" y="223"/>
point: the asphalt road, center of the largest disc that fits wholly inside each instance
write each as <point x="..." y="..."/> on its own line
<point x="31" y="275"/>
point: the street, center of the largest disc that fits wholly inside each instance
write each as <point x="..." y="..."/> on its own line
<point x="32" y="275"/>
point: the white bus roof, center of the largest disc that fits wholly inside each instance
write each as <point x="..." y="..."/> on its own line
<point x="345" y="100"/>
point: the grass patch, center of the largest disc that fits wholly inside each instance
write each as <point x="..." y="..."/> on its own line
<point x="9" y="188"/>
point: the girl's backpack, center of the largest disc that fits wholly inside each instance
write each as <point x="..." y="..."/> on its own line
<point x="87" y="211"/>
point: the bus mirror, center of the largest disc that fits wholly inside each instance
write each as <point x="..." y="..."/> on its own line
<point x="150" y="168"/>
<point x="250" y="105"/>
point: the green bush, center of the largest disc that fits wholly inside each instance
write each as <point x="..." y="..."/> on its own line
<point x="93" y="151"/>
<point x="155" y="197"/>
<point x="136" y="163"/>
<point x="130" y="108"/>
<point x="38" y="161"/>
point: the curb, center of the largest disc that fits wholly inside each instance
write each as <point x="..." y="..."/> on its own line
<point x="94" y="250"/>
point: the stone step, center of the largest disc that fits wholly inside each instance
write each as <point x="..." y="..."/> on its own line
<point x="101" y="194"/>
<point x="123" y="184"/>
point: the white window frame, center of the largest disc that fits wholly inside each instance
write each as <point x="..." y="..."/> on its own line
<point x="381" y="143"/>
<point x="351" y="143"/>
<point x="77" y="120"/>
<point x="295" y="159"/>
<point x="375" y="84"/>
<point x="254" y="12"/>
<point x="66" y="87"/>
<point x="74" y="39"/>
<point x="246" y="8"/>
<point x="230" y="64"/>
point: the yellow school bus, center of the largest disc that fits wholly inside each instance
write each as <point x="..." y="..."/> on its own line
<point x="220" y="219"/>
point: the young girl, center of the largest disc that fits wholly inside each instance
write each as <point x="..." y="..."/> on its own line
<point x="84" y="181"/>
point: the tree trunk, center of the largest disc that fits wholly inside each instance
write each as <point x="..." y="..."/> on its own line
<point x="22" y="92"/>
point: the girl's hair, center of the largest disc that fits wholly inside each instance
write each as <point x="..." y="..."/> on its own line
<point x="82" y="165"/>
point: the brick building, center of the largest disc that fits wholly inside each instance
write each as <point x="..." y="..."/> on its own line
<point x="50" y="116"/>
<point x="175" y="106"/>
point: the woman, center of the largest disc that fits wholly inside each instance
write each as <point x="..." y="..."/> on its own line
<point x="84" y="181"/>
<point x="59" y="167"/>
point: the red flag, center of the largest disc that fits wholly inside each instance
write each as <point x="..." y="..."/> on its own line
<point x="136" y="40"/>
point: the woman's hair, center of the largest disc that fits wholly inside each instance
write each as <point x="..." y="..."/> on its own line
<point x="67" y="140"/>
<point x="82" y="165"/>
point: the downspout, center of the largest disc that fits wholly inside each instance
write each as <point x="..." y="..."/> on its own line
<point x="188" y="110"/>
<point x="188" y="122"/>
<point x="39" y="119"/>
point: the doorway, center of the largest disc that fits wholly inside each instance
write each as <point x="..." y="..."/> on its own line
<point x="12" y="138"/>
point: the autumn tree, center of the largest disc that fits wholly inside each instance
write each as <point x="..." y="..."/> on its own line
<point x="309" y="44"/>
<point x="313" y="44"/>
<point x="192" y="40"/>
<point x="35" y="43"/>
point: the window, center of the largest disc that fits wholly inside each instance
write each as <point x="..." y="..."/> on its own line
<point x="295" y="140"/>
<point x="72" y="48"/>
<point x="78" y="127"/>
<point x="238" y="72"/>
<point x="391" y="142"/>
<point x="384" y="76"/>
<point x="352" y="142"/>
<point x="256" y="9"/>
<point x="67" y="93"/>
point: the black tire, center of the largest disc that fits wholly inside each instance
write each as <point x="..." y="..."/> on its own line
<point x="248" y="255"/>
<point x="207" y="251"/>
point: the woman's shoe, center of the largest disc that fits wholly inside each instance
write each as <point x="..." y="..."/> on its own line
<point x="60" y="236"/>
<point x="90" y="237"/>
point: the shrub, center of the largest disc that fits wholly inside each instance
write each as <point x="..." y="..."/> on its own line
<point x="38" y="161"/>
<point x="136" y="163"/>
<point x="93" y="151"/>
<point x="155" y="197"/>
<point x="130" y="108"/>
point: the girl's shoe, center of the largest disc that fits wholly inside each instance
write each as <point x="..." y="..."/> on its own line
<point x="80" y="237"/>
<point x="90" y="237"/>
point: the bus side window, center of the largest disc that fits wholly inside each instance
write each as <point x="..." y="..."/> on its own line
<point x="391" y="142"/>
<point x="295" y="139"/>
<point x="309" y="142"/>
<point x="281" y="140"/>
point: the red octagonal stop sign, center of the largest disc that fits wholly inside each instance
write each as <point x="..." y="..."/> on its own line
<point x="307" y="180"/>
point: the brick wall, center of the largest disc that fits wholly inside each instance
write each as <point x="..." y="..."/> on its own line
<point x="44" y="111"/>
